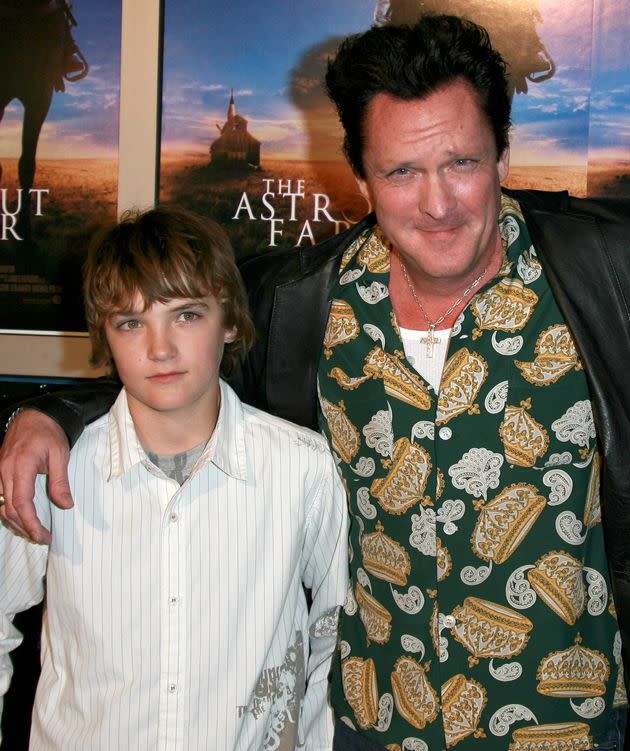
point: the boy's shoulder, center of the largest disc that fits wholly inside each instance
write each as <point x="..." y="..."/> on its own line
<point x="94" y="431"/>
<point x="262" y="425"/>
<point x="296" y="434"/>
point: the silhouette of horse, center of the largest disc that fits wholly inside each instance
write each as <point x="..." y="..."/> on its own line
<point x="36" y="52"/>
<point x="510" y="26"/>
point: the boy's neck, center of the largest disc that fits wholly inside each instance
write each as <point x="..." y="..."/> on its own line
<point x="171" y="433"/>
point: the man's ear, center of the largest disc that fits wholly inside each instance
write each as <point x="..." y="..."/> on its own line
<point x="503" y="165"/>
<point x="363" y="188"/>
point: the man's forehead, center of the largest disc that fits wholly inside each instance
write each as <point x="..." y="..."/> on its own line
<point x="459" y="85"/>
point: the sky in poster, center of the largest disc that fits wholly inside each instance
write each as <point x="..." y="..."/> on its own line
<point x="83" y="120"/>
<point x="212" y="47"/>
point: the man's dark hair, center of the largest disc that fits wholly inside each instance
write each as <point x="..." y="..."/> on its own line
<point x="410" y="62"/>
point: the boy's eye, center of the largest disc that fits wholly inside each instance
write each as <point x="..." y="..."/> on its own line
<point x="188" y="316"/>
<point x="133" y="323"/>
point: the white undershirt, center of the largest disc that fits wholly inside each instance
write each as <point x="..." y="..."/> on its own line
<point x="430" y="368"/>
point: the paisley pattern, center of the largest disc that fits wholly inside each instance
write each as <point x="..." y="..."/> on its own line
<point x="479" y="611"/>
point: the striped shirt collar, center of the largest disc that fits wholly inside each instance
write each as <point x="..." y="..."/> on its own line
<point x="225" y="449"/>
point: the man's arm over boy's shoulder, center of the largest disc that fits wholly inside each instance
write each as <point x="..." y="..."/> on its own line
<point x="22" y="570"/>
<point x="325" y="574"/>
<point x="35" y="443"/>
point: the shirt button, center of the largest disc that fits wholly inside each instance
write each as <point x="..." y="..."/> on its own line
<point x="449" y="621"/>
<point x="172" y="688"/>
<point x="445" y="433"/>
<point x="174" y="517"/>
<point x="173" y="600"/>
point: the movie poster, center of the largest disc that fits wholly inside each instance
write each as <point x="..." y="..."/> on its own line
<point x="59" y="99"/>
<point x="249" y="137"/>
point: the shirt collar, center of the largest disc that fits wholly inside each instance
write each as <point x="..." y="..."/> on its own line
<point x="226" y="450"/>
<point x="125" y="450"/>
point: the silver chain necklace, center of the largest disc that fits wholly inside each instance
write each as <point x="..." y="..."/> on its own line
<point x="430" y="339"/>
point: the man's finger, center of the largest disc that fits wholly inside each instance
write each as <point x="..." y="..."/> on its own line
<point x="13" y="519"/>
<point x="59" y="487"/>
<point x="22" y="514"/>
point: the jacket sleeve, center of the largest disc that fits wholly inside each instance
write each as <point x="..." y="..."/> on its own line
<point x="22" y="570"/>
<point x="73" y="407"/>
<point x="325" y="574"/>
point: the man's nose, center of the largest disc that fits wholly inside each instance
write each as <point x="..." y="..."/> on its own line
<point x="437" y="197"/>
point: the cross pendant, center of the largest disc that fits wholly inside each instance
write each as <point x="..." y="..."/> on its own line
<point x="430" y="339"/>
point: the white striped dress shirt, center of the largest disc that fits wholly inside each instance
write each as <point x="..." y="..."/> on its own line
<point x="176" y="617"/>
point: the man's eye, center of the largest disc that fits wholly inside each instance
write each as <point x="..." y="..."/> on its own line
<point x="400" y="175"/>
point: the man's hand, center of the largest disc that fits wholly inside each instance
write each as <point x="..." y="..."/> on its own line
<point x="34" y="444"/>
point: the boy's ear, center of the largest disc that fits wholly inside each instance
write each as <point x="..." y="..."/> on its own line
<point x="230" y="335"/>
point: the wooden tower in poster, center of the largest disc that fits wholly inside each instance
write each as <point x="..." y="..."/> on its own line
<point x="235" y="146"/>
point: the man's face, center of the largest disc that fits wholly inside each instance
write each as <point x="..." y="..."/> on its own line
<point x="168" y="356"/>
<point x="432" y="176"/>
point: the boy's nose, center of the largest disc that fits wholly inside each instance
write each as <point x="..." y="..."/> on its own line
<point x="161" y="347"/>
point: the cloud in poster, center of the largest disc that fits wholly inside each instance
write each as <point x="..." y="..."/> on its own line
<point x="85" y="125"/>
<point x="294" y="120"/>
<point x="281" y="136"/>
<point x="193" y="111"/>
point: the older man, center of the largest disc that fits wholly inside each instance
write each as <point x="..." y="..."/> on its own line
<point x="463" y="349"/>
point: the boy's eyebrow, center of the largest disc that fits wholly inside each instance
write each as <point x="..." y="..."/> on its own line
<point x="123" y="313"/>
<point x="193" y="302"/>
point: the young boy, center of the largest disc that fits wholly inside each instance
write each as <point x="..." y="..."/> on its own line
<point x="177" y="587"/>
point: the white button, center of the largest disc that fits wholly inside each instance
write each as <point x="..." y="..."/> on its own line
<point x="174" y="517"/>
<point x="173" y="600"/>
<point x="449" y="621"/>
<point x="445" y="433"/>
<point x="172" y="688"/>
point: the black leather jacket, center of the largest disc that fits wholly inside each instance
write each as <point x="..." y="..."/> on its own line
<point x="584" y="248"/>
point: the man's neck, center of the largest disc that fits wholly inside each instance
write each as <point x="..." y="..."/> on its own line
<point x="436" y="295"/>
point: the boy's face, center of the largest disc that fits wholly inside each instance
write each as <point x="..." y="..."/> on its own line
<point x="168" y="356"/>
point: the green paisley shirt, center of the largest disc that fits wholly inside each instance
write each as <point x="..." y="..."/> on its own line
<point x="480" y="611"/>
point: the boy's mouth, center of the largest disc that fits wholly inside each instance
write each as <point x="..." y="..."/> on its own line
<point x="165" y="377"/>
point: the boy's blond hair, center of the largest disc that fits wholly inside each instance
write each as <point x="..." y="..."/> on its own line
<point x="163" y="253"/>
